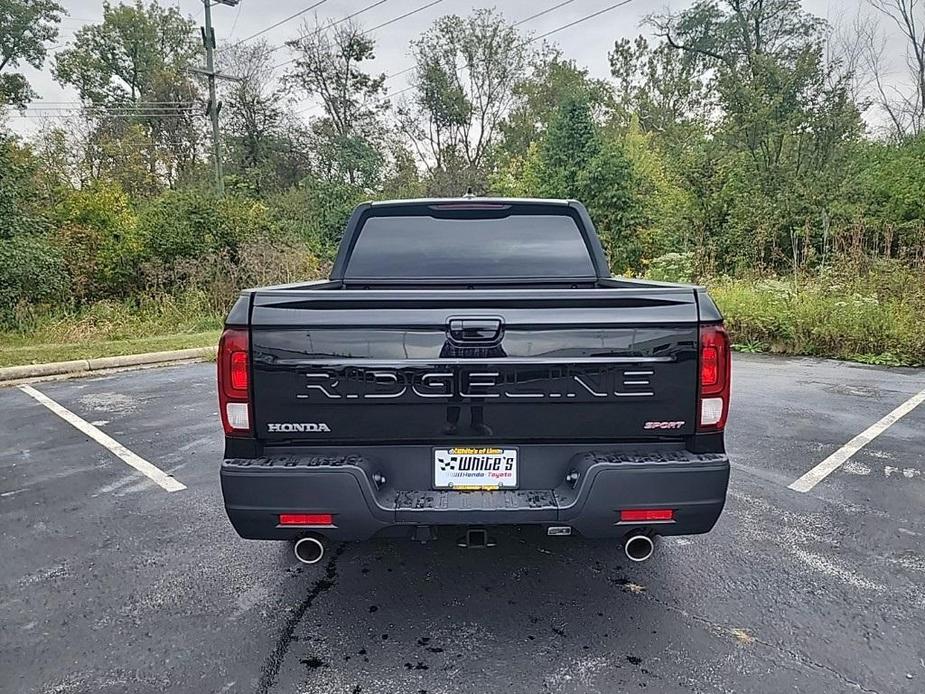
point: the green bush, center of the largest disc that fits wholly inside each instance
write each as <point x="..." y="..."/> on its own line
<point x="190" y="224"/>
<point x="315" y="213"/>
<point x="672" y="267"/>
<point x="22" y="204"/>
<point x="827" y="316"/>
<point x="216" y="279"/>
<point x="32" y="272"/>
<point x="97" y="234"/>
<point x="666" y="208"/>
<point x="890" y="181"/>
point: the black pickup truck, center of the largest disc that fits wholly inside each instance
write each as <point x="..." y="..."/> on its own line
<point x="472" y="363"/>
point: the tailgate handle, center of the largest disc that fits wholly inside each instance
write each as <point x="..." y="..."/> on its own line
<point x="475" y="330"/>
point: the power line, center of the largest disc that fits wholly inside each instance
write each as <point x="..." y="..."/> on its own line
<point x="334" y="24"/>
<point x="400" y="91"/>
<point x="114" y="147"/>
<point x="530" y="40"/>
<point x="390" y="95"/>
<point x="117" y="145"/>
<point x="429" y="5"/>
<point x="582" y="19"/>
<point x="237" y="16"/>
<point x="410" y="68"/>
<point x="77" y="102"/>
<point x="407" y="14"/>
<point x="158" y="111"/>
<point x="90" y="112"/>
<point x="279" y="23"/>
<point x="400" y="72"/>
<point x="515" y="24"/>
<point x="173" y="106"/>
<point x="103" y="116"/>
<point x="540" y="14"/>
<point x="76" y="105"/>
<point x="273" y="49"/>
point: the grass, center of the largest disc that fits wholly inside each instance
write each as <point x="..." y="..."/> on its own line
<point x="870" y="318"/>
<point x="42" y="353"/>
<point x="112" y="328"/>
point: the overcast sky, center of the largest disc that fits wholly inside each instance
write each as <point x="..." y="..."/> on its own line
<point x="588" y="42"/>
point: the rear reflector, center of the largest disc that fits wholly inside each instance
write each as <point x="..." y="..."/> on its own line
<point x="306" y="519"/>
<point x="637" y="515"/>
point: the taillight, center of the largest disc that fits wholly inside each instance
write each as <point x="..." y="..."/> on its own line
<point x="234" y="382"/>
<point x="239" y="377"/>
<point x="715" y="372"/>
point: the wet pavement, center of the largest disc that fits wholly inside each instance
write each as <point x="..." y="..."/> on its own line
<point x="111" y="584"/>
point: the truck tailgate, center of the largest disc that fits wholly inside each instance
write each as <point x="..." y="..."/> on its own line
<point x="481" y="366"/>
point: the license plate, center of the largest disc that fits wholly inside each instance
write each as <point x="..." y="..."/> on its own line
<point x="467" y="469"/>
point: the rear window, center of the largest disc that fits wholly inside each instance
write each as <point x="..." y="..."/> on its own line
<point x="518" y="246"/>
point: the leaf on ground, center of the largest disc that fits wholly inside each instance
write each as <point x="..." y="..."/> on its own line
<point x="742" y="636"/>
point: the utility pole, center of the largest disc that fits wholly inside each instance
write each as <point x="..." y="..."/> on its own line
<point x="214" y="106"/>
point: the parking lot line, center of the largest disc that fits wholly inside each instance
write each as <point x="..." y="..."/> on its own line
<point x="839" y="457"/>
<point x="150" y="471"/>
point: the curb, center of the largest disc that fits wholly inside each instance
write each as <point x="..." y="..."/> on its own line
<point x="85" y="366"/>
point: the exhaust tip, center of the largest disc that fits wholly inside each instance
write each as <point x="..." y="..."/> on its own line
<point x="309" y="550"/>
<point x="638" y="547"/>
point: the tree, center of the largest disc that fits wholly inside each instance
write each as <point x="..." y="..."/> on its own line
<point x="781" y="106"/>
<point x="890" y="178"/>
<point x="79" y="153"/>
<point x="316" y="211"/>
<point x="329" y="66"/>
<point x="537" y="98"/>
<point x="119" y="61"/>
<point x="31" y="268"/>
<point x="906" y="111"/>
<point x="565" y="154"/>
<point x="133" y="68"/>
<point x="667" y="201"/>
<point x="576" y="159"/>
<point x="661" y="87"/>
<point x="23" y="209"/>
<point x="254" y="114"/>
<point x="466" y="70"/>
<point x="292" y="153"/>
<point x="26" y="26"/>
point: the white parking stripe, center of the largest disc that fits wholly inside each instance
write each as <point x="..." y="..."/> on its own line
<point x="116" y="448"/>
<point x="839" y="457"/>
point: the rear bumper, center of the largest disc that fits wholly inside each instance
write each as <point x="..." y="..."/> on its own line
<point x="256" y="491"/>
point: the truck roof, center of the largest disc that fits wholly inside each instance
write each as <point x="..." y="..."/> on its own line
<point x="473" y="199"/>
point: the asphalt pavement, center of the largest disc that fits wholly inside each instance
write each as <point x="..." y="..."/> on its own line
<point x="110" y="583"/>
